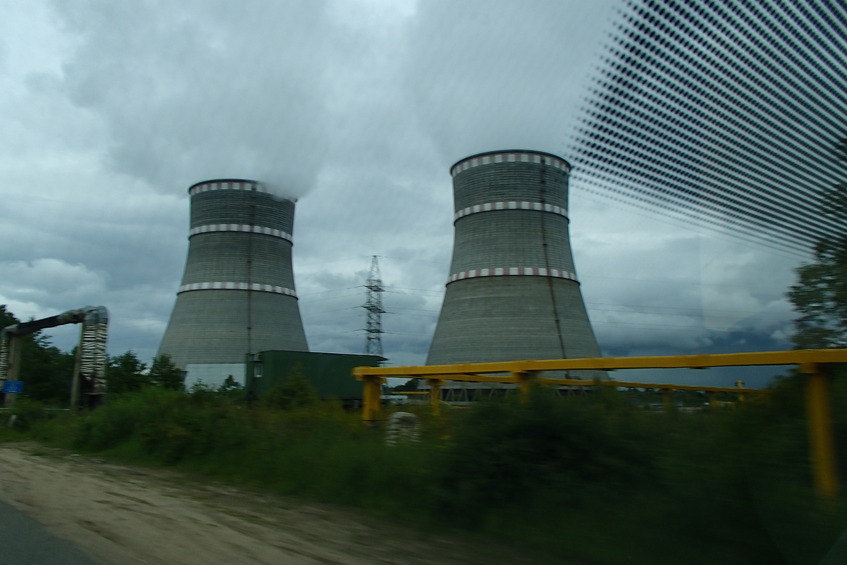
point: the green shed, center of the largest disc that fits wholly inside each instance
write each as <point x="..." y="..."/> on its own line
<point x="331" y="374"/>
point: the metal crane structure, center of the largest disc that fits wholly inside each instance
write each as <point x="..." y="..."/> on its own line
<point x="373" y="304"/>
<point x="89" y="378"/>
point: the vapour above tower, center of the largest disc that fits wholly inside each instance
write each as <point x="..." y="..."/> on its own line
<point x="237" y="294"/>
<point x="512" y="291"/>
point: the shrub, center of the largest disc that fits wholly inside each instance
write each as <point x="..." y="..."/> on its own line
<point x="124" y="416"/>
<point x="294" y="392"/>
<point x="26" y="413"/>
<point x="514" y="453"/>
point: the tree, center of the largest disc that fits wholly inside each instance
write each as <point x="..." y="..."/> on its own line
<point x="294" y="392"/>
<point x="165" y="374"/>
<point x="409" y="386"/>
<point x="126" y="373"/>
<point x="230" y="385"/>
<point x="6" y="317"/>
<point x="45" y="370"/>
<point x="820" y="294"/>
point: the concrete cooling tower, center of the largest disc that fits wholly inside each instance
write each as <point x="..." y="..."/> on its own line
<point x="237" y="293"/>
<point x="512" y="293"/>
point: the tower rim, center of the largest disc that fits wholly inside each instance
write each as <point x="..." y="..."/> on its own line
<point x="258" y="186"/>
<point x="207" y="181"/>
<point x="501" y="151"/>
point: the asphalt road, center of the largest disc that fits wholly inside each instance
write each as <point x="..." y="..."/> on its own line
<point x="23" y="541"/>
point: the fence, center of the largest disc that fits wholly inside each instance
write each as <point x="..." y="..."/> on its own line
<point x="524" y="373"/>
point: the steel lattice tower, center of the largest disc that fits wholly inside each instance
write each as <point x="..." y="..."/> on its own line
<point x="373" y="304"/>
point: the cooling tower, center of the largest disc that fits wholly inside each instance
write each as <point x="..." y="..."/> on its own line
<point x="512" y="293"/>
<point x="237" y="293"/>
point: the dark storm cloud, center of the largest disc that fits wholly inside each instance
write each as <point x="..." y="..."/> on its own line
<point x="198" y="90"/>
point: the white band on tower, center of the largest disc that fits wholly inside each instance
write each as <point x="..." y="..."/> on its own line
<point x="513" y="271"/>
<point x="235" y="185"/>
<point x="244" y="228"/>
<point x="257" y="287"/>
<point x="510" y="205"/>
<point x="510" y="157"/>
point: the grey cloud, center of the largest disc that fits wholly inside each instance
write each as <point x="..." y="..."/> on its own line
<point x="499" y="75"/>
<point x="200" y="90"/>
<point x="358" y="108"/>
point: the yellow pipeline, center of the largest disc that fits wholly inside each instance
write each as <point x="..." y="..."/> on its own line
<point x="825" y="476"/>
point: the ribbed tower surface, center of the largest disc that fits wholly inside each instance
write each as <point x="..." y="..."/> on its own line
<point x="237" y="294"/>
<point x="512" y="293"/>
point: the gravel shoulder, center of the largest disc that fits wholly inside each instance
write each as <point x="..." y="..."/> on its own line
<point x="130" y="515"/>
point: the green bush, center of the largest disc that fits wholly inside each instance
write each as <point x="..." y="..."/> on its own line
<point x="26" y="413"/>
<point x="123" y="417"/>
<point x="512" y="453"/>
<point x="294" y="392"/>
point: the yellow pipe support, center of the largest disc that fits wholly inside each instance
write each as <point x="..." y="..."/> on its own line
<point x="372" y="398"/>
<point x="740" y="386"/>
<point x="666" y="399"/>
<point x="435" y="395"/>
<point x="524" y="380"/>
<point x="821" y="444"/>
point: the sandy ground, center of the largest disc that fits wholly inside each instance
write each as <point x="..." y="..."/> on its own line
<point x="124" y="515"/>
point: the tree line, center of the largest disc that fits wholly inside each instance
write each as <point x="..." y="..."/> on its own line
<point x="820" y="294"/>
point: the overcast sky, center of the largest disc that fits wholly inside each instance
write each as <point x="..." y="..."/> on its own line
<point x="110" y="110"/>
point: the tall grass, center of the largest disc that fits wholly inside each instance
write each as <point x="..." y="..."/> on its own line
<point x="591" y="478"/>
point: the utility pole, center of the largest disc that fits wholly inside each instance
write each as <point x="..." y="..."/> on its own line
<point x="373" y="304"/>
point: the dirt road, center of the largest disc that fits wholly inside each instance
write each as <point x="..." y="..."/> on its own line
<point x="124" y="515"/>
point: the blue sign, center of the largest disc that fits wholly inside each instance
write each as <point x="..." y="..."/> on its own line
<point x="13" y="387"/>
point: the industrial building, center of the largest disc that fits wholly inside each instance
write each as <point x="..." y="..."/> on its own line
<point x="512" y="291"/>
<point x="237" y="294"/>
<point x="329" y="374"/>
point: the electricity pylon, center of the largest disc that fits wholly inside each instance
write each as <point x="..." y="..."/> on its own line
<point x="373" y="304"/>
